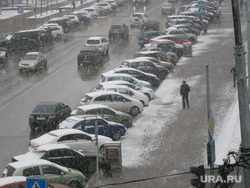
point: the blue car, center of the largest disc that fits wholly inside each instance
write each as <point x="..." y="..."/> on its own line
<point x="169" y="46"/>
<point x="146" y="36"/>
<point x="87" y="124"/>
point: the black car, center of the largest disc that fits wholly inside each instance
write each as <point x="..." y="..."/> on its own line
<point x="61" y="22"/>
<point x="150" y="25"/>
<point x="28" y="39"/>
<point x="47" y="115"/>
<point x="151" y="78"/>
<point x="90" y="57"/>
<point x="84" y="161"/>
<point x="46" y="36"/>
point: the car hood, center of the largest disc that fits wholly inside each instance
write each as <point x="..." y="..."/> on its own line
<point x="27" y="62"/>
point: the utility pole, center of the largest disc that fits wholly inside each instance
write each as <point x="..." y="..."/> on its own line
<point x="248" y="44"/>
<point x="242" y="90"/>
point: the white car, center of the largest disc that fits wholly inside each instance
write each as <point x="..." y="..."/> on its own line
<point x="56" y="30"/>
<point x="114" y="100"/>
<point x="128" y="91"/>
<point x="73" y="138"/>
<point x="92" y="11"/>
<point x="99" y="43"/>
<point x="137" y="19"/>
<point x="144" y="90"/>
<point x="32" y="61"/>
<point x="74" y="19"/>
<point x="107" y="77"/>
<point x="106" y="6"/>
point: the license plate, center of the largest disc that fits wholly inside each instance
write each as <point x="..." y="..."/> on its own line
<point x="40" y="118"/>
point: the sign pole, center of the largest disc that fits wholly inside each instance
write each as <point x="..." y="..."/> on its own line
<point x="211" y="143"/>
<point x="97" y="151"/>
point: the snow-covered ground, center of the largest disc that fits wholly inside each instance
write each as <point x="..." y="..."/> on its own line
<point x="227" y="131"/>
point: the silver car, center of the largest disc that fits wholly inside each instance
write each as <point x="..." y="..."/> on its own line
<point x="32" y="61"/>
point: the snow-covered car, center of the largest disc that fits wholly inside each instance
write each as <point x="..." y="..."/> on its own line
<point x="128" y="91"/>
<point x="32" y="61"/>
<point x="61" y="154"/>
<point x="137" y="19"/>
<point x="99" y="43"/>
<point x="88" y="123"/>
<point x="105" y="112"/>
<point x="148" y="77"/>
<point x="56" y="30"/>
<point x="146" y="91"/>
<point x="167" y="8"/>
<point x="107" y="7"/>
<point x="114" y="100"/>
<point x="73" y="138"/>
<point x="74" y="19"/>
<point x="92" y="12"/>
<point x="107" y="77"/>
<point x="182" y="34"/>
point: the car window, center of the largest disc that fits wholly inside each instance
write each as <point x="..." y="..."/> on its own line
<point x="112" y="89"/>
<point x="101" y="122"/>
<point x="149" y="64"/>
<point x="130" y="80"/>
<point x="114" y="78"/>
<point x="103" y="98"/>
<point x="55" y="153"/>
<point x="67" y="138"/>
<point x="33" y="171"/>
<point x="93" y="42"/>
<point x="94" y="112"/>
<point x="83" y="137"/>
<point x="50" y="170"/>
<point x="108" y="112"/>
<point x="123" y="91"/>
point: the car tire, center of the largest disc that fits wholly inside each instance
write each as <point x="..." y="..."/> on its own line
<point x="45" y="65"/>
<point x="74" y="184"/>
<point x="117" y="136"/>
<point x="143" y="103"/>
<point x="179" y="54"/>
<point x="192" y="40"/>
<point x="147" y="96"/>
<point x="58" y="36"/>
<point x="126" y="123"/>
<point x="134" y="110"/>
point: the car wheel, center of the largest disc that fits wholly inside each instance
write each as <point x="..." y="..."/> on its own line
<point x="92" y="166"/>
<point x="134" y="111"/>
<point x="58" y="36"/>
<point x="179" y="54"/>
<point x="192" y="40"/>
<point x="143" y="103"/>
<point x="162" y="75"/>
<point x="116" y="136"/>
<point x="74" y="184"/>
<point x="45" y="65"/>
<point x="148" y="96"/>
<point x="101" y="150"/>
<point x="126" y="123"/>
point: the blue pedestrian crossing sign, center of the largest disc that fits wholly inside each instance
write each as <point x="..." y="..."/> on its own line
<point x="201" y="10"/>
<point x="36" y="183"/>
<point x="201" y="4"/>
<point x="19" y="9"/>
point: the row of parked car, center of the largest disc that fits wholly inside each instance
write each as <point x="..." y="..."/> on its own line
<point x="121" y="94"/>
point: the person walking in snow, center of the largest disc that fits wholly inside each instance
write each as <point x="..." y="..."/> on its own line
<point x="233" y="71"/>
<point x="184" y="91"/>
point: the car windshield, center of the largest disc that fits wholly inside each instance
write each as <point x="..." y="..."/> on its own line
<point x="43" y="109"/>
<point x="137" y="15"/>
<point x="86" y="99"/>
<point x="8" y="171"/>
<point x="30" y="57"/>
<point x="116" y="26"/>
<point x="93" y="41"/>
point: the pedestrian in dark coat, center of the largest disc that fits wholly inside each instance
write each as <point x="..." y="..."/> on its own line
<point x="184" y="90"/>
<point x="233" y="71"/>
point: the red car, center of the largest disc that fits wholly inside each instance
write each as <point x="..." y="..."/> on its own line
<point x="173" y="38"/>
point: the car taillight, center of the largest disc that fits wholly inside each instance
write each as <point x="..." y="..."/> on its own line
<point x="6" y="51"/>
<point x="84" y="46"/>
<point x="109" y="30"/>
<point x="52" y="117"/>
<point x="146" y="38"/>
<point x="150" y="41"/>
<point x="79" y="55"/>
<point x="122" y="30"/>
<point x="31" y="118"/>
<point x="93" y="55"/>
<point x="100" y="46"/>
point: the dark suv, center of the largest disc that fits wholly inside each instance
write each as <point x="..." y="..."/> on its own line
<point x="47" y="115"/>
<point x="28" y="39"/>
<point x="118" y="30"/>
<point x="90" y="57"/>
